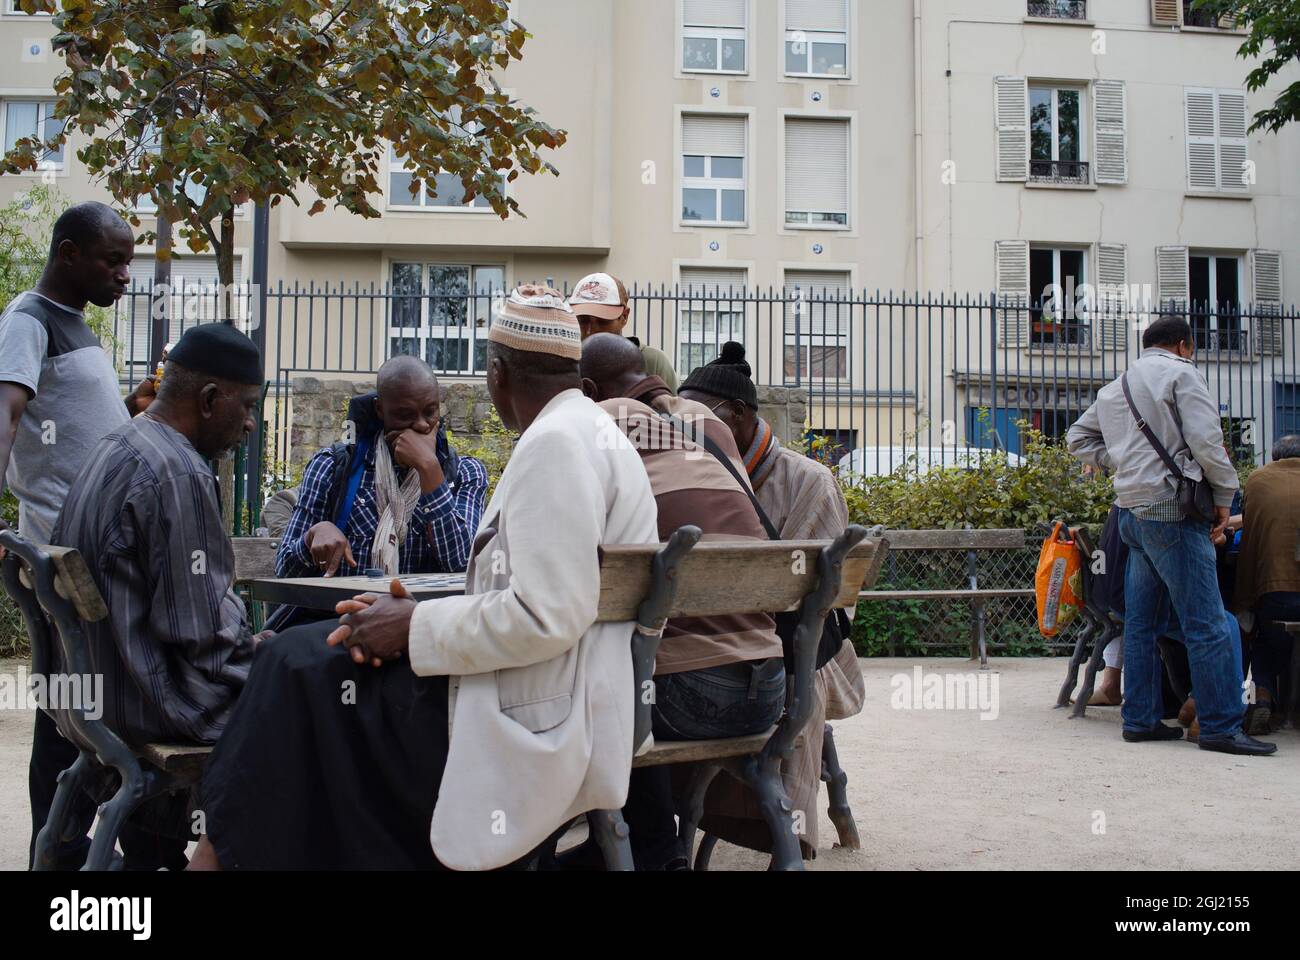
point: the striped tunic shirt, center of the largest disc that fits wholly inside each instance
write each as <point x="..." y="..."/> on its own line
<point x="175" y="648"/>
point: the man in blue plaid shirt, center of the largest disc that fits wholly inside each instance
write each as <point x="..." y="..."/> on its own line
<point x="438" y="508"/>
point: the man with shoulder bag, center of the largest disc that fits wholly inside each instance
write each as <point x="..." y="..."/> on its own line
<point x="1157" y="428"/>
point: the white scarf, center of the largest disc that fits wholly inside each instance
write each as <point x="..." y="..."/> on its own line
<point x="395" y="506"/>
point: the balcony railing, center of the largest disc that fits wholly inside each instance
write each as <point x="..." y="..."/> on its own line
<point x="1059" y="9"/>
<point x="1059" y="171"/>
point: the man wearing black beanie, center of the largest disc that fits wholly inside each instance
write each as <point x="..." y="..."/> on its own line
<point x="803" y="501"/>
<point x="176" y="647"/>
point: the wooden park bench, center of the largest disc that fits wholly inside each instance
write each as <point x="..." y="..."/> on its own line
<point x="972" y="543"/>
<point x="645" y="584"/>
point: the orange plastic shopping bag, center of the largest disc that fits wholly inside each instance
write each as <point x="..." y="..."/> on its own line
<point x="1058" y="581"/>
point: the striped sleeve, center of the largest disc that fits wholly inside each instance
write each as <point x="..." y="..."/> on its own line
<point x="453" y="516"/>
<point x="293" y="558"/>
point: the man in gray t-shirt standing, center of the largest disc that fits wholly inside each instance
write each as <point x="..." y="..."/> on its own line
<point x="59" y="396"/>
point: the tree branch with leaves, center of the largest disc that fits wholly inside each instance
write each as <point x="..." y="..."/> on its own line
<point x="204" y="106"/>
<point x="1274" y="40"/>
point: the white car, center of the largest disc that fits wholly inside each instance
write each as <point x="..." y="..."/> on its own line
<point x="882" y="461"/>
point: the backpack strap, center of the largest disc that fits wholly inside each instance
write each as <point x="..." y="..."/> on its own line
<point x="1149" y="433"/>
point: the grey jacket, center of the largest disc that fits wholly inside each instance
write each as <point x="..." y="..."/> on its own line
<point x="1177" y="405"/>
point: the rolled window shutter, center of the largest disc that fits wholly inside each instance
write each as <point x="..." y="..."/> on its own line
<point x="1172" y="278"/>
<point x="193" y="283"/>
<point x="712" y="136"/>
<point x="817" y="165"/>
<point x="714" y="13"/>
<point x="713" y="281"/>
<point x="1266" y="273"/>
<point x="1202" y="141"/>
<point x="826" y="294"/>
<point x="1110" y="113"/>
<point x="1013" y="293"/>
<point x="828" y="15"/>
<point x="1112" y="290"/>
<point x="1233" y="150"/>
<point x="1011" y="109"/>
<point x="1167" y="13"/>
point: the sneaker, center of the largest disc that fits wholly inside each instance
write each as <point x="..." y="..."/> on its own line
<point x="1158" y="732"/>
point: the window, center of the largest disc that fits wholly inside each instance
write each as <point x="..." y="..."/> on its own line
<point x="1057" y="308"/>
<point x="817" y="38"/>
<point x="1059" y="9"/>
<point x="712" y="313"/>
<point x="816" y="325"/>
<point x="1194" y="16"/>
<point x="816" y="172"/>
<point x="195" y="297"/>
<point x="197" y="192"/>
<point x="713" y="36"/>
<point x="11" y="6"/>
<point x="448" y="192"/>
<point x="1214" y="288"/>
<point x="1056" y="135"/>
<point x="33" y="118"/>
<point x="1217" y="153"/>
<point x="441" y="313"/>
<point x="713" y="170"/>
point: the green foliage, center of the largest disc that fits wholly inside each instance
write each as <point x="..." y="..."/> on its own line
<point x="1274" y="36"/>
<point x="990" y="494"/>
<point x="496" y="443"/>
<point x="250" y="100"/>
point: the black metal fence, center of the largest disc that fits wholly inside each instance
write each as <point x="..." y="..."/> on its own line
<point x="891" y="376"/>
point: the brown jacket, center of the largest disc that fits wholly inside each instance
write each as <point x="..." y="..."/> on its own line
<point x="1270" y="542"/>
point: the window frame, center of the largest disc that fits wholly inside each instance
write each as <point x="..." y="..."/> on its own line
<point x="1210" y="308"/>
<point x="423" y="206"/>
<point x="804" y="342"/>
<point x="472" y="330"/>
<point x="1082" y="326"/>
<point x="1085" y="143"/>
<point x="717" y="34"/>
<point x="850" y="175"/>
<point x="42" y="119"/>
<point x="809" y="38"/>
<point x="716" y="184"/>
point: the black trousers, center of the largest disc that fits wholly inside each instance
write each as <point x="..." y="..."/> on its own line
<point x="142" y="847"/>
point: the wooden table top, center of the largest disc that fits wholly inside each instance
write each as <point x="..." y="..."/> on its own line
<point x="322" y="593"/>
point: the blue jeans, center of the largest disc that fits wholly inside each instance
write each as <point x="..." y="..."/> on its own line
<point x="1171" y="569"/>
<point x="729" y="701"/>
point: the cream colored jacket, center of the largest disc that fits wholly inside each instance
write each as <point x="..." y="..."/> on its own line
<point x="541" y="697"/>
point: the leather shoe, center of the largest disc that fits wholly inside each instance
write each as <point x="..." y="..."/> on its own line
<point x="1240" y="744"/>
<point x="1158" y="732"/>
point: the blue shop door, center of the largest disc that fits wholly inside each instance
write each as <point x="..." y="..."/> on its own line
<point x="980" y="433"/>
<point x="1287" y="419"/>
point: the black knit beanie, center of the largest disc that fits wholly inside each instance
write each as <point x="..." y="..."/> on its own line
<point x="728" y="377"/>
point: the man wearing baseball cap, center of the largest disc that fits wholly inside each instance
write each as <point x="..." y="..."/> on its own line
<point x="600" y="304"/>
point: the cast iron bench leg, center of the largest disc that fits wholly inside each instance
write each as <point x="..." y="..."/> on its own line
<point x="1076" y="659"/>
<point x="611" y="834"/>
<point x="71" y="782"/>
<point x="112" y="815"/>
<point x="837" y="782"/>
<point x="705" y="853"/>
<point x="1099" y="644"/>
<point x="692" y="810"/>
<point x="762" y="774"/>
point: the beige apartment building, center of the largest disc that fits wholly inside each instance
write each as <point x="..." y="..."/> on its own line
<point x="822" y="154"/>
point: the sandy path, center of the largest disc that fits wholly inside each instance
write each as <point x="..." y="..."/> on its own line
<point x="944" y="789"/>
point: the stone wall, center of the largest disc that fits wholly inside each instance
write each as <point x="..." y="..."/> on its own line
<point x="320" y="407"/>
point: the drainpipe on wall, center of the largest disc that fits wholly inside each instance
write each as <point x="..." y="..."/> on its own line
<point x="917" y="121"/>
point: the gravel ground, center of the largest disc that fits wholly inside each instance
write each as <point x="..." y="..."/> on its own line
<point x="943" y="789"/>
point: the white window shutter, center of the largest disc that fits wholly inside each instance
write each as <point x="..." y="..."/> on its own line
<point x="1202" y="140"/>
<point x="713" y="136"/>
<point x="714" y="13"/>
<point x="1112" y="293"/>
<point x="1167" y="13"/>
<point x="817" y="165"/>
<point x="1233" y="150"/>
<point x="713" y="281"/>
<point x="1110" y="117"/>
<point x="1011" y="110"/>
<point x="828" y="15"/>
<point x="193" y="300"/>
<point x="1013" y="293"/>
<point x="1172" y="280"/>
<point x="1266" y="274"/>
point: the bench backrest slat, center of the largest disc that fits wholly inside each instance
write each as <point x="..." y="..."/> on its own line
<point x="719" y="577"/>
